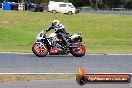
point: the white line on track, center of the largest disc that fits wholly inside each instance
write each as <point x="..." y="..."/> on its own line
<point x="108" y="54"/>
<point x="86" y="54"/>
<point x="14" y="53"/>
<point x="56" y="73"/>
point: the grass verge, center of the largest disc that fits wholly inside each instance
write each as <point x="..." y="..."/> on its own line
<point x="13" y="77"/>
<point x="102" y="33"/>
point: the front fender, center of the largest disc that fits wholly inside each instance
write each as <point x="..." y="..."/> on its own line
<point x="76" y="38"/>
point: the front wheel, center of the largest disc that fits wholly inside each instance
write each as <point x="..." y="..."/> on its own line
<point x="70" y="13"/>
<point x="79" y="51"/>
<point x="40" y="50"/>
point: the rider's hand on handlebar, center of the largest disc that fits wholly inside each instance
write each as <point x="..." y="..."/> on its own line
<point x="46" y="30"/>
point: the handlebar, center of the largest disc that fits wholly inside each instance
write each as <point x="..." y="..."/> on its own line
<point x="45" y="32"/>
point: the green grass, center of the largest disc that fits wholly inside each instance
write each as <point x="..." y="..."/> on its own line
<point x="13" y="77"/>
<point x="101" y="33"/>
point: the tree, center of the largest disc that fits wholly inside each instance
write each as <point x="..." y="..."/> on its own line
<point x="96" y="4"/>
<point x="66" y="0"/>
<point x="114" y="4"/>
<point x="80" y="3"/>
<point x="128" y="4"/>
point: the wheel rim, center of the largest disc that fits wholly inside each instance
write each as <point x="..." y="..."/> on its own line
<point x="40" y="49"/>
<point x="80" y="49"/>
<point x="54" y="11"/>
<point x="70" y="13"/>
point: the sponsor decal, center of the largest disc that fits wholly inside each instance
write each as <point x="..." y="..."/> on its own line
<point x="83" y="78"/>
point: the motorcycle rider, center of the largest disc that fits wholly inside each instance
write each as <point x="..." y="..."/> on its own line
<point x="59" y="30"/>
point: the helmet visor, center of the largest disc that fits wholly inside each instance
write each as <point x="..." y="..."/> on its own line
<point x="54" y="23"/>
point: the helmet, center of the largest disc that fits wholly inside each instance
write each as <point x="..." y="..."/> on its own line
<point x="55" y="22"/>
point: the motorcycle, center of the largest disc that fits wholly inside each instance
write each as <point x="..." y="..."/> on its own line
<point x="55" y="45"/>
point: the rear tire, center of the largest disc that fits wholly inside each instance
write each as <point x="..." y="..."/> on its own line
<point x="54" y="11"/>
<point x="70" y="13"/>
<point x="78" y="52"/>
<point x="40" y="50"/>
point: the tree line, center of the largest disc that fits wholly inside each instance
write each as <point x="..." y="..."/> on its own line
<point x="96" y="4"/>
<point x="103" y="4"/>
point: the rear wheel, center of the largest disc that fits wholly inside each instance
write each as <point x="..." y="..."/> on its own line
<point x="79" y="51"/>
<point x="40" y="49"/>
<point x="54" y="11"/>
<point x="70" y="12"/>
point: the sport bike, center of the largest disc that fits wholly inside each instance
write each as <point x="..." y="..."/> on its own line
<point x="52" y="44"/>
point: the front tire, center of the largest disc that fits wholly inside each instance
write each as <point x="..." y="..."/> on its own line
<point x="40" y="49"/>
<point x="78" y="52"/>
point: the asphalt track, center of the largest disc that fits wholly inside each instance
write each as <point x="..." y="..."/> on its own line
<point x="29" y="63"/>
<point x="61" y="83"/>
<point x="110" y="12"/>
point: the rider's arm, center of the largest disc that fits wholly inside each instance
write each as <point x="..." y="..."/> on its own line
<point x="49" y="29"/>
